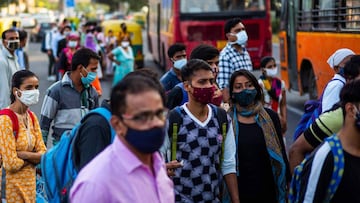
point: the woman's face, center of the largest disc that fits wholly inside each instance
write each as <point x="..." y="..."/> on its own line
<point x="241" y="83"/>
<point x="29" y="83"/>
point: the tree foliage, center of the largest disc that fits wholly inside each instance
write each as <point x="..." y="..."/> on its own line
<point x="4" y="3"/>
<point x="135" y="5"/>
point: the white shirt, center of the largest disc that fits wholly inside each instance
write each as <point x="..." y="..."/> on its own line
<point x="332" y="92"/>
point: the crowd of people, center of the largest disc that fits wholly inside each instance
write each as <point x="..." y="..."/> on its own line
<point x="207" y="131"/>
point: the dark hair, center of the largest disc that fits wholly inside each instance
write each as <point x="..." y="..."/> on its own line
<point x="3" y="36"/>
<point x="18" y="79"/>
<point x="130" y="84"/>
<point x="192" y="66"/>
<point x="149" y="73"/>
<point x="175" y="48"/>
<point x="350" y="93"/>
<point x="14" y="23"/>
<point x="230" y="24"/>
<point x="63" y="29"/>
<point x="352" y="68"/>
<point x="266" y="60"/>
<point x="82" y="57"/>
<point x="253" y="80"/>
<point x="204" y="52"/>
<point x="22" y="35"/>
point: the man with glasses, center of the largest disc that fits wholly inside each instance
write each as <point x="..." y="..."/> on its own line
<point x="234" y="56"/>
<point x="177" y="55"/>
<point x="207" y="155"/>
<point x="131" y="169"/>
<point x="69" y="99"/>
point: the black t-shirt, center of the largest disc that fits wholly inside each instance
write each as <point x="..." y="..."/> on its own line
<point x="174" y="97"/>
<point x="93" y="137"/>
<point x="349" y="187"/>
<point x="255" y="181"/>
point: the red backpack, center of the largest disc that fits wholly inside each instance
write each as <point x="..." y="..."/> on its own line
<point x="14" y="119"/>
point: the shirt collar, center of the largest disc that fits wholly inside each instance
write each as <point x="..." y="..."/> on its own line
<point x="131" y="161"/>
<point x="66" y="80"/>
<point x="7" y="53"/>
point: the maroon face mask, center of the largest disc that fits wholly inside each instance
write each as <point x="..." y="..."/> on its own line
<point x="204" y="95"/>
<point x="217" y="100"/>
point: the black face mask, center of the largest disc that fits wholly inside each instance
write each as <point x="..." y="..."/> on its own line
<point x="13" y="44"/>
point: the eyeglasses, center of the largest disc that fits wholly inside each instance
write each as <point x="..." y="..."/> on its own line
<point x="146" y="116"/>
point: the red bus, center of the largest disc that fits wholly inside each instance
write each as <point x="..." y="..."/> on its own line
<point x="194" y="22"/>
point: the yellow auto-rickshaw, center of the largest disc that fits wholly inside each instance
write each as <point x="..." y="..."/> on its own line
<point x="139" y="18"/>
<point x="135" y="35"/>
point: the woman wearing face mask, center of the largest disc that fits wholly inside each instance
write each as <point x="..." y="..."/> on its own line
<point x="262" y="165"/>
<point x="123" y="57"/>
<point x="67" y="53"/>
<point x="274" y="89"/>
<point x="21" y="151"/>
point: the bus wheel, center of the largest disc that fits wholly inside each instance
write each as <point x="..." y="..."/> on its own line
<point x="313" y="94"/>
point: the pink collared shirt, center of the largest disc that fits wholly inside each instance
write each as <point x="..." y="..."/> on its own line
<point x="117" y="175"/>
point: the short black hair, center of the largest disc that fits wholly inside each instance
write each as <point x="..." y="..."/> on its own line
<point x="350" y="93"/>
<point x="352" y="68"/>
<point x="192" y="66"/>
<point x="265" y="60"/>
<point x="18" y="79"/>
<point x="204" y="52"/>
<point x="175" y="48"/>
<point x="3" y="36"/>
<point x="22" y="35"/>
<point x="82" y="57"/>
<point x="230" y="24"/>
<point x="130" y="84"/>
<point x="253" y="80"/>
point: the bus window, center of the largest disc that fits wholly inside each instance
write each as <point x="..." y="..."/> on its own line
<point x="353" y="14"/>
<point x="198" y="6"/>
<point x="326" y="14"/>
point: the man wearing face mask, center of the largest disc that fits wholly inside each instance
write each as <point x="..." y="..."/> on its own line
<point x="69" y="99"/>
<point x="336" y="61"/>
<point x="8" y="63"/>
<point x="177" y="54"/>
<point x="331" y="174"/>
<point x="207" y="157"/>
<point x="131" y="168"/>
<point x="234" y="56"/>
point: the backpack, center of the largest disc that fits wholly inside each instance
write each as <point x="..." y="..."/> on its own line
<point x="312" y="110"/>
<point x="15" y="127"/>
<point x="334" y="147"/>
<point x="57" y="164"/>
<point x="175" y="120"/>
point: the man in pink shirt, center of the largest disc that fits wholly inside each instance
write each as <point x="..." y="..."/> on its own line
<point x="130" y="169"/>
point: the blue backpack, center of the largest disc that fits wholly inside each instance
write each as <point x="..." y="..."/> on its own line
<point x="312" y="111"/>
<point x="57" y="165"/>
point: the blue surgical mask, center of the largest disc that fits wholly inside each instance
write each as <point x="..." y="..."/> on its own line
<point x="342" y="71"/>
<point x="89" y="78"/>
<point x="180" y="63"/>
<point x="245" y="97"/>
<point x="146" y="141"/>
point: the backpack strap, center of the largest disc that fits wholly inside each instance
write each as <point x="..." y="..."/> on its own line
<point x="221" y="117"/>
<point x="175" y="120"/>
<point x="339" y="164"/>
<point x="14" y="120"/>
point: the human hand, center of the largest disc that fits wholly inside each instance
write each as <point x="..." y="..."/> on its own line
<point x="23" y="154"/>
<point x="170" y="166"/>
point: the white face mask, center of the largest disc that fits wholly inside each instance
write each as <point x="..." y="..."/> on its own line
<point x="72" y="44"/>
<point x="241" y="36"/>
<point x="125" y="44"/>
<point x="29" y="97"/>
<point x="180" y="63"/>
<point x="272" y="72"/>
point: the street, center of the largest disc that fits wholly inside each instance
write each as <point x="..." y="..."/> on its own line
<point x="39" y="62"/>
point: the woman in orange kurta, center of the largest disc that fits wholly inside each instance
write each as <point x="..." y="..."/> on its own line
<point x="20" y="155"/>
